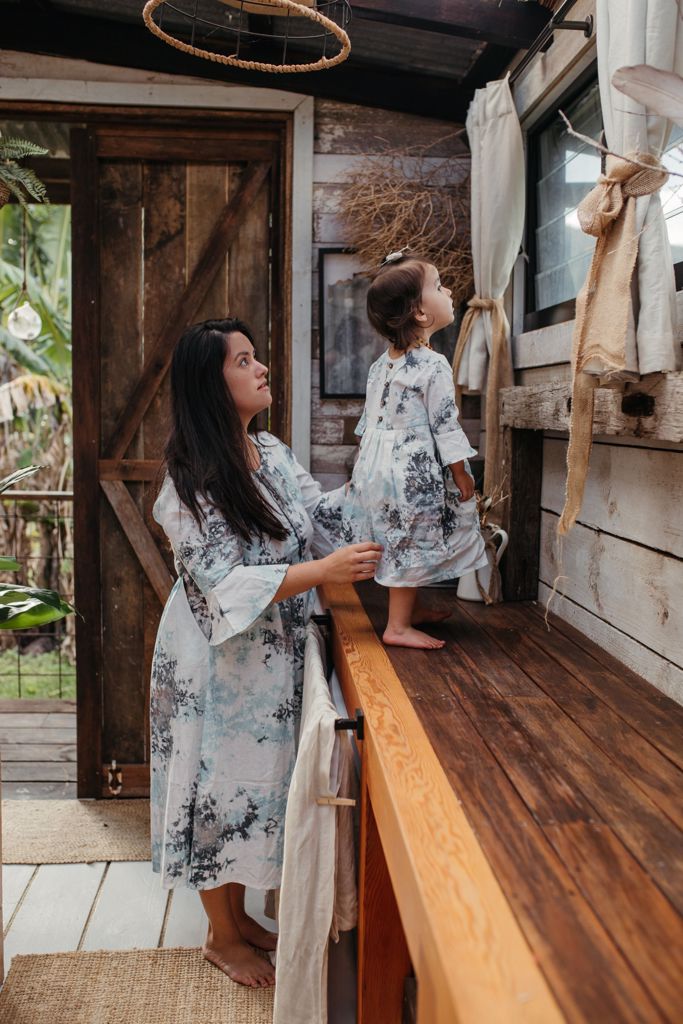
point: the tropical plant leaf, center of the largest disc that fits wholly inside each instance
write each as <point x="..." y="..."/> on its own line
<point x="13" y="148"/>
<point x="9" y="564"/>
<point x="659" y="91"/>
<point x="14" y="478"/>
<point x="25" y="356"/>
<point x="26" y="608"/>
<point x="12" y="174"/>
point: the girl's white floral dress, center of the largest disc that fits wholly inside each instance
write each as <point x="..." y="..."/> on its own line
<point x="402" y="493"/>
<point x="227" y="679"/>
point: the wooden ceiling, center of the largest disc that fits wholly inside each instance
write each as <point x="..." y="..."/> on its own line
<point x="418" y="56"/>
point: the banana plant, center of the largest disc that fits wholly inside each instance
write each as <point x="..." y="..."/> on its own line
<point x="26" y="607"/>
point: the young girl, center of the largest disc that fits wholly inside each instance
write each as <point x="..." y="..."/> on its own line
<point x="411" y="489"/>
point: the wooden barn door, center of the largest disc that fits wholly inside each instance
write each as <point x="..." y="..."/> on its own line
<point x="171" y="225"/>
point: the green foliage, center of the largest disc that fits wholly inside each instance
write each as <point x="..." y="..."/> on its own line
<point x="48" y="286"/>
<point x="21" y="181"/>
<point x="39" y="676"/>
<point x="27" y="607"/>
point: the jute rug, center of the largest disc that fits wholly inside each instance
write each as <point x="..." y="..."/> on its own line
<point x="145" y="986"/>
<point x="74" y="831"/>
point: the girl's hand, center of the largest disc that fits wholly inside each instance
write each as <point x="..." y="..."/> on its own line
<point x="352" y="563"/>
<point x="463" y="481"/>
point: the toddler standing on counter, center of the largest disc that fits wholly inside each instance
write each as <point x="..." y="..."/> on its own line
<point x="411" y="489"/>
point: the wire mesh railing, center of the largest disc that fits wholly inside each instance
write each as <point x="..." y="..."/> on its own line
<point x="36" y="528"/>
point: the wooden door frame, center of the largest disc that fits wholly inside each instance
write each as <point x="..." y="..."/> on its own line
<point x="85" y="98"/>
<point x="87" y="455"/>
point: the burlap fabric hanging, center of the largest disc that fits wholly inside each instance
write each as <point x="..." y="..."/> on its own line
<point x="499" y="376"/>
<point x="609" y="213"/>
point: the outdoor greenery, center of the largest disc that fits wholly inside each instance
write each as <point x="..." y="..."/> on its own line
<point x="38" y="372"/>
<point x="40" y="676"/>
<point x="21" y="182"/>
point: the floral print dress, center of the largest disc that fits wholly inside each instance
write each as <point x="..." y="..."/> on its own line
<point x="402" y="493"/>
<point x="227" y="678"/>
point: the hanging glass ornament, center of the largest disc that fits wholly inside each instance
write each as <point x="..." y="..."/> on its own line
<point x="24" y="322"/>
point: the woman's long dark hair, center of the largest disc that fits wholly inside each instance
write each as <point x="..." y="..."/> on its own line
<point x="207" y="455"/>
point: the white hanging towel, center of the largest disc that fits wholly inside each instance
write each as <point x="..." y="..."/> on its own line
<point x="318" y="892"/>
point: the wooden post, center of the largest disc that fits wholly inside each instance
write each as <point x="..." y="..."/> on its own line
<point x="383" y="959"/>
<point x="86" y="400"/>
<point x="520" y="564"/>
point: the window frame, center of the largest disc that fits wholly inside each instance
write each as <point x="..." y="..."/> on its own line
<point x="562" y="311"/>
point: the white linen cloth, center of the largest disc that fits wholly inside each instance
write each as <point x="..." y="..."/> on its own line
<point x="497" y="214"/>
<point x="642" y="32"/>
<point x="318" y="893"/>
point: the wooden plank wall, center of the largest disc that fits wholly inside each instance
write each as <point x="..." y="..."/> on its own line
<point x="344" y="135"/>
<point x="622" y="565"/>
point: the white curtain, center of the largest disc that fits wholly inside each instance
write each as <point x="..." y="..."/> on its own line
<point x="642" y="32"/>
<point x="497" y="203"/>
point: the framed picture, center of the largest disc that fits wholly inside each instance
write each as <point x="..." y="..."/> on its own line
<point x="348" y="344"/>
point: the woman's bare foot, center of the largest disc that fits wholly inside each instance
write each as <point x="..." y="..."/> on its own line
<point x="423" y="616"/>
<point x="406" y="636"/>
<point x="241" y="963"/>
<point x="253" y="933"/>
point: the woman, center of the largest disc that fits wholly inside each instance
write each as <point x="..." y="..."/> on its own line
<point x="244" y="520"/>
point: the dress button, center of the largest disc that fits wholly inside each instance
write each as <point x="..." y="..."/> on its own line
<point x="391" y="366"/>
<point x="379" y="419"/>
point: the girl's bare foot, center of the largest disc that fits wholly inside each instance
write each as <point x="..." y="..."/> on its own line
<point x="253" y="933"/>
<point x="241" y="964"/>
<point x="406" y="636"/>
<point x="423" y="616"/>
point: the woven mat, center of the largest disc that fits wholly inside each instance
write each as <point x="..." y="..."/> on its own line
<point x="74" y="831"/>
<point x="140" y="986"/>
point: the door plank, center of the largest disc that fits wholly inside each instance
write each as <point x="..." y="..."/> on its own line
<point x="55" y="910"/>
<point x="143" y="545"/>
<point x="48" y="736"/>
<point x="130" y="909"/>
<point x="159" y="357"/>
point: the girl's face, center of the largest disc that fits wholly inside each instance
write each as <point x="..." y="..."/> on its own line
<point x="436" y="306"/>
<point x="246" y="377"/>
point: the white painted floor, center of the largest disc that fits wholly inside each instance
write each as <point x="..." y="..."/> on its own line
<point x="53" y="908"/>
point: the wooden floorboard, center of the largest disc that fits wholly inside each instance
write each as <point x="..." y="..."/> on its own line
<point x="590" y="861"/>
<point x="130" y="909"/>
<point x="38" y="749"/>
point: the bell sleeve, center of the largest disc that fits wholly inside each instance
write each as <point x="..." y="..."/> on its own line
<point x="450" y="439"/>
<point x="324" y="509"/>
<point x="212" y="553"/>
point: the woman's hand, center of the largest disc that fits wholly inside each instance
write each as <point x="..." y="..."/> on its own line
<point x="352" y="563"/>
<point x="463" y="480"/>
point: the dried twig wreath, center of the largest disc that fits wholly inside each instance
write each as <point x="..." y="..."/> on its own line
<point x="404" y="198"/>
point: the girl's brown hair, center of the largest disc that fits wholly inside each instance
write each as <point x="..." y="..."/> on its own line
<point x="394" y="299"/>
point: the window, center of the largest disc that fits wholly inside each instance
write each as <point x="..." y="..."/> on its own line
<point x="562" y="171"/>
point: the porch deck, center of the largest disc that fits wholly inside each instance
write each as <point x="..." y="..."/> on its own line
<point x="38" y="749"/>
<point x="569" y="770"/>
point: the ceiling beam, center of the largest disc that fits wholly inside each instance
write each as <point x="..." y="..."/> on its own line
<point x="123" y="44"/>
<point x="510" y="23"/>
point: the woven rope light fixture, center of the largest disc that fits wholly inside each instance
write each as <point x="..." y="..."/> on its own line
<point x="257" y="35"/>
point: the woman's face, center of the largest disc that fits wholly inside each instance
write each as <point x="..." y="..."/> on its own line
<point x="246" y="377"/>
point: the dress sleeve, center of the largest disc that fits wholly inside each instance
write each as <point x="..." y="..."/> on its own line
<point x="324" y="509"/>
<point x="451" y="441"/>
<point x="213" y="554"/>
<point x="362" y="423"/>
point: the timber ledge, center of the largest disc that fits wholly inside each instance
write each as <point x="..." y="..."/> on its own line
<point x="521" y="821"/>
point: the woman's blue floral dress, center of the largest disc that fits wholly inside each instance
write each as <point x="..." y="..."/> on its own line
<point x="402" y="493"/>
<point x="227" y="679"/>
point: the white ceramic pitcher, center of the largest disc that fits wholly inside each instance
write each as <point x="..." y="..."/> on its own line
<point x="467" y="585"/>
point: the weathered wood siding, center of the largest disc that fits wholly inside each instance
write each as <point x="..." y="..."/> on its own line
<point x="621" y="568"/>
<point x="344" y="135"/>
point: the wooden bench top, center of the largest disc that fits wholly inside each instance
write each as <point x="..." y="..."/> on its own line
<point x="569" y="770"/>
